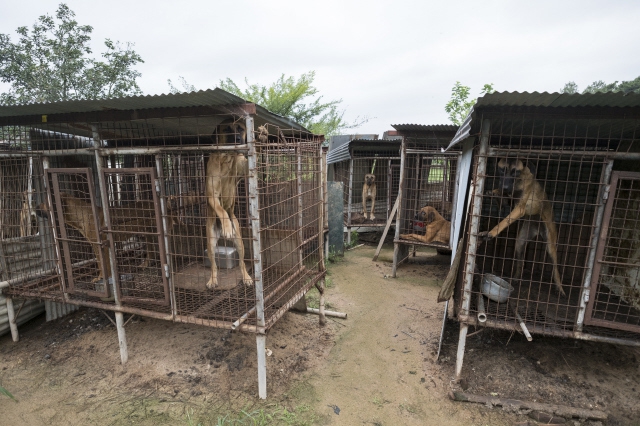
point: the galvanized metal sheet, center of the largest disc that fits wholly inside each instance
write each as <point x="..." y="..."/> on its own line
<point x="336" y="215"/>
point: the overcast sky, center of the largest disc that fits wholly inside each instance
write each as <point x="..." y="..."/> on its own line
<point x="394" y="61"/>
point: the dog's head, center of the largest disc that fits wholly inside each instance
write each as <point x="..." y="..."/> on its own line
<point x="369" y="179"/>
<point x="512" y="170"/>
<point x="42" y="210"/>
<point x="231" y="133"/>
<point x="426" y="214"/>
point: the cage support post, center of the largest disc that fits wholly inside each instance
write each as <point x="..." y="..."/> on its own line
<point x="602" y="201"/>
<point x="350" y="201"/>
<point x="254" y="215"/>
<point x="396" y="245"/>
<point x="11" y="315"/>
<point x="166" y="225"/>
<point x="104" y="199"/>
<point x="478" y="189"/>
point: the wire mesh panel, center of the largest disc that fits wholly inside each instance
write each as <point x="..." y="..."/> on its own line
<point x="27" y="247"/>
<point x="135" y="229"/>
<point x="427" y="200"/>
<point x="84" y="259"/>
<point x="614" y="299"/>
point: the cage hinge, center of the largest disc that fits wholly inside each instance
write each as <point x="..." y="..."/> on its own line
<point x="586" y="296"/>
<point x="158" y="186"/>
<point x="605" y="194"/>
<point x="166" y="271"/>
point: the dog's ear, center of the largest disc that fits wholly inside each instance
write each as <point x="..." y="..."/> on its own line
<point x="531" y="165"/>
<point x="431" y="216"/>
<point x="502" y="163"/>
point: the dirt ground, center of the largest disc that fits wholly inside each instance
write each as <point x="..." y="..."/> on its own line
<point x="377" y="367"/>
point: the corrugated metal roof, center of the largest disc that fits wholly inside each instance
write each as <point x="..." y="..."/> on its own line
<point x="544" y="100"/>
<point x="555" y="100"/>
<point x="343" y="152"/>
<point x="425" y="128"/>
<point x="215" y="97"/>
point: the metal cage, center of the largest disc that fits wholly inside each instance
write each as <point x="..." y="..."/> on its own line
<point x="350" y="163"/>
<point x="428" y="180"/>
<point x="551" y="241"/>
<point x="208" y="218"/>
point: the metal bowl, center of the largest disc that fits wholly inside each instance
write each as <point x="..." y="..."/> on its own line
<point x="495" y="288"/>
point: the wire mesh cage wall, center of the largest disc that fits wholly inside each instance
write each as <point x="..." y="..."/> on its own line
<point x="368" y="203"/>
<point x="428" y="189"/>
<point x="153" y="216"/>
<point x="550" y="240"/>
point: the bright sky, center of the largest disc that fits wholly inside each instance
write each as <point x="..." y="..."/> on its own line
<point x="394" y="61"/>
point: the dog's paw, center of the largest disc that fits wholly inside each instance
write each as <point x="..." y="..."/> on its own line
<point x="212" y="283"/>
<point x="485" y="236"/>
<point x="372" y="217"/>
<point x="226" y="230"/>
<point x="247" y="281"/>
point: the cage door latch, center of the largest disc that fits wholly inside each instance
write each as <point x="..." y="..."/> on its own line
<point x="158" y="186"/>
<point x="605" y="194"/>
<point x="586" y="296"/>
<point x="166" y="270"/>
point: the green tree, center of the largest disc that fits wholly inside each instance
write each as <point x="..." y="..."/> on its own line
<point x="631" y="86"/>
<point x="459" y="105"/>
<point x="292" y="98"/>
<point x="52" y="62"/>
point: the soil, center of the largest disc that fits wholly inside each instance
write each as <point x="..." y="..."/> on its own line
<point x="377" y="367"/>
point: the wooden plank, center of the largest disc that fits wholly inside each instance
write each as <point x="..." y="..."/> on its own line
<point x="386" y="229"/>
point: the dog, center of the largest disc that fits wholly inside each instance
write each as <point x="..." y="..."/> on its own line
<point x="78" y="214"/>
<point x="27" y="216"/>
<point x="518" y="181"/>
<point x="224" y="170"/>
<point x="438" y="229"/>
<point x="369" y="193"/>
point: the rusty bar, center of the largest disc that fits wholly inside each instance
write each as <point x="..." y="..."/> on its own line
<point x="598" y="232"/>
<point x="105" y="211"/>
<point x="349" y="201"/>
<point x="493" y="152"/>
<point x="48" y="199"/>
<point x="321" y="177"/>
<point x="165" y="228"/>
<point x="300" y="213"/>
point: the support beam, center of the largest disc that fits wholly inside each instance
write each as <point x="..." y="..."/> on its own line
<point x="122" y="338"/>
<point x="13" y="325"/>
<point x="261" y="341"/>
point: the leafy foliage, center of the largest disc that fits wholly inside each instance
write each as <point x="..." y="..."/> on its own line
<point x="631" y="86"/>
<point x="296" y="99"/>
<point x="52" y="62"/>
<point x="459" y="105"/>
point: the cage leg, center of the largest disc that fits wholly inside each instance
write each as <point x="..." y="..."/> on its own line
<point x="13" y="325"/>
<point x="262" y="365"/>
<point x="122" y="338"/>
<point x="396" y="252"/>
<point x="462" y="340"/>
<point x="349" y="236"/>
<point x="320" y="287"/>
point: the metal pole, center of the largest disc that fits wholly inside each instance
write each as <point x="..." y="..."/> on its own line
<point x="254" y="215"/>
<point x="349" y="201"/>
<point x="478" y="189"/>
<point x="396" y="245"/>
<point x="122" y="338"/>
<point x="165" y="225"/>
<point x="13" y="325"/>
<point x="586" y="285"/>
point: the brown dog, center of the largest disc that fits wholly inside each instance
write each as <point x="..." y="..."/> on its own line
<point x="27" y="215"/>
<point x="369" y="193"/>
<point x="78" y="214"/>
<point x="224" y="170"/>
<point x="438" y="229"/>
<point x="518" y="181"/>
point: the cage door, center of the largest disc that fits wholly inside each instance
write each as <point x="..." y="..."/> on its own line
<point x="614" y="298"/>
<point x="77" y="222"/>
<point x="135" y="225"/>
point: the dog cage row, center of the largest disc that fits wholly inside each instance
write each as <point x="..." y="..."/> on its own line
<point x="146" y="249"/>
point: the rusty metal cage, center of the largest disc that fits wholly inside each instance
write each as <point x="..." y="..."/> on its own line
<point x="428" y="180"/>
<point x="551" y="235"/>
<point x="207" y="218"/>
<point x="350" y="163"/>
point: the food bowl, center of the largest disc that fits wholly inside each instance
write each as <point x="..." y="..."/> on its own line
<point x="495" y="288"/>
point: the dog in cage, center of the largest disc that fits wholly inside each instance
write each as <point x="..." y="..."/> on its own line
<point x="28" y="224"/>
<point x="517" y="181"/>
<point x="369" y="193"/>
<point x="224" y="171"/>
<point x="437" y="228"/>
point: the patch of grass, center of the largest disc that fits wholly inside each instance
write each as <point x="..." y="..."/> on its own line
<point x="379" y="402"/>
<point x="409" y="408"/>
<point x="273" y="414"/>
<point x="313" y="299"/>
<point x="354" y="240"/>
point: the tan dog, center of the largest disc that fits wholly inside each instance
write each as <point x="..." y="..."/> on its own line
<point x="518" y="181"/>
<point x="26" y="215"/>
<point x="438" y="229"/>
<point x="78" y="214"/>
<point x="369" y="193"/>
<point x="224" y="170"/>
